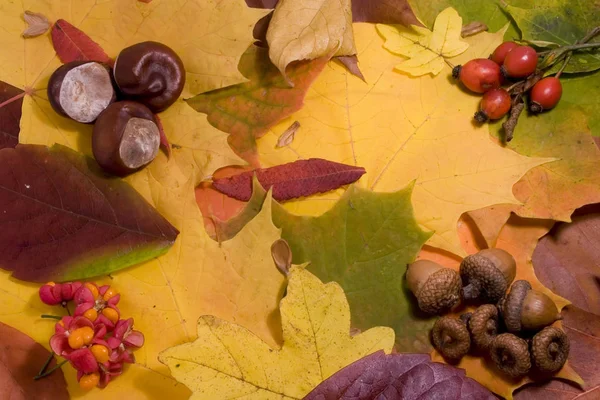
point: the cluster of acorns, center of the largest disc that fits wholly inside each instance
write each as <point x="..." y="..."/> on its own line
<point x="512" y="328"/>
<point x="509" y="62"/>
<point x="146" y="78"/>
<point x="95" y="340"/>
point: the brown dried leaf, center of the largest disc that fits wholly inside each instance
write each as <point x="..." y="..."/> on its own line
<point x="287" y="137"/>
<point x="473" y="28"/>
<point x="37" y="23"/>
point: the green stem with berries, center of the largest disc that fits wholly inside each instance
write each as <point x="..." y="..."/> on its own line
<point x="49" y="316"/>
<point x="51" y="370"/>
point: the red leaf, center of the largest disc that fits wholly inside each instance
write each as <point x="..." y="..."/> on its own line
<point x="248" y="110"/>
<point x="20" y="360"/>
<point x="71" y="44"/>
<point x="399" y="377"/>
<point x="289" y="181"/>
<point x="567" y="260"/>
<point x="376" y="11"/>
<point x="351" y="64"/>
<point x="11" y="101"/>
<point x="583" y="330"/>
<point x="384" y="12"/>
<point x="62" y="219"/>
<point x="164" y="141"/>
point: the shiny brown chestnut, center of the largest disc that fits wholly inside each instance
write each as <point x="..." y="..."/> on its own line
<point x="150" y="73"/>
<point x="125" y="138"/>
<point x="81" y="90"/>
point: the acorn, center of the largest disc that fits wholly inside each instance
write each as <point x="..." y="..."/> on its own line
<point x="550" y="350"/>
<point x="527" y="309"/>
<point x="451" y="338"/>
<point x="81" y="90"/>
<point x="125" y="138"/>
<point x="437" y="288"/>
<point x="511" y="355"/>
<point x="483" y="326"/>
<point x="487" y="274"/>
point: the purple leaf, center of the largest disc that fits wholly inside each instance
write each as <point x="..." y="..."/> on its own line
<point x="399" y="377"/>
<point x="11" y="101"/>
<point x="62" y="219"/>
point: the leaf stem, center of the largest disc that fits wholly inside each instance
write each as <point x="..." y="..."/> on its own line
<point x="51" y="370"/>
<point x="48" y="361"/>
<point x="14" y="98"/>
<point x="51" y="316"/>
<point x="586" y="39"/>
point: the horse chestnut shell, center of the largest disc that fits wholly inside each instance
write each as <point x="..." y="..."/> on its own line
<point x="150" y="73"/>
<point x="81" y="90"/>
<point x="125" y="138"/>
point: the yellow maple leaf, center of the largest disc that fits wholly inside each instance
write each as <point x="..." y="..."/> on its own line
<point x="227" y="361"/>
<point x="309" y="29"/>
<point x="425" y="49"/>
<point x="402" y="129"/>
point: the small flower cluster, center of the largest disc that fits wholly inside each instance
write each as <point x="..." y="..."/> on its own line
<point x="95" y="340"/>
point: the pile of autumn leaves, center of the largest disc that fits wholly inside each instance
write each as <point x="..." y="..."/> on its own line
<point x="99" y="357"/>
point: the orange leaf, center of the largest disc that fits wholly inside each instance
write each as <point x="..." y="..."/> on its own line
<point x="246" y="111"/>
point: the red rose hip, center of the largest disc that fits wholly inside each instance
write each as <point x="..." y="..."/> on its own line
<point x="479" y="75"/>
<point x="499" y="55"/>
<point x="520" y="62"/>
<point x="545" y="94"/>
<point x="495" y="104"/>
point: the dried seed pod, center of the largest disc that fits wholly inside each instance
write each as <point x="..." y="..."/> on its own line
<point x="437" y="288"/>
<point x="511" y="355"/>
<point x="550" y="349"/>
<point x="527" y="309"/>
<point x="487" y="274"/>
<point x="451" y="338"/>
<point x="483" y="326"/>
<point x="81" y="90"/>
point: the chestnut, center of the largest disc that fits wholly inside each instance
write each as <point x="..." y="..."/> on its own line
<point x="125" y="138"/>
<point x="81" y="90"/>
<point x="150" y="73"/>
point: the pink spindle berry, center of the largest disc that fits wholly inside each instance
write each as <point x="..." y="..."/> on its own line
<point x="51" y="293"/>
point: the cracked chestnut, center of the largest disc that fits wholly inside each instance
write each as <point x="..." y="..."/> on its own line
<point x="81" y="90"/>
<point x="125" y="138"/>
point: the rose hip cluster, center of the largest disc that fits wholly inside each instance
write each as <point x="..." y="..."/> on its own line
<point x="95" y="340"/>
<point x="146" y="78"/>
<point x="510" y="62"/>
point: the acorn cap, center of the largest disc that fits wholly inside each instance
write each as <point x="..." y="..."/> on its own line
<point x="487" y="274"/>
<point x="511" y="355"/>
<point x="511" y="310"/>
<point x="440" y="292"/>
<point x="483" y="326"/>
<point x="550" y="349"/>
<point x="451" y="338"/>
